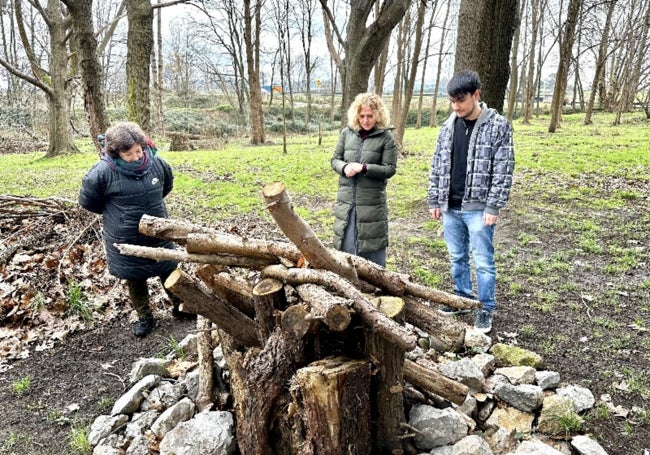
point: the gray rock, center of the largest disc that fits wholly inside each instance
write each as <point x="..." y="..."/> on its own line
<point x="581" y="396"/>
<point x="472" y="445"/>
<point x="131" y="400"/>
<point x="525" y="397"/>
<point x="547" y="379"/>
<point x="145" y="367"/>
<point x="436" y="427"/>
<point x="208" y="433"/>
<point x="464" y="371"/>
<point x="180" y="412"/>
<point x="105" y="425"/>
<point x="587" y="446"/>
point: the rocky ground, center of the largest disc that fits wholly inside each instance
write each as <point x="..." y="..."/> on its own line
<point x="65" y="331"/>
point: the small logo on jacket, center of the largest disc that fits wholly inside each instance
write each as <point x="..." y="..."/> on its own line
<point x="154" y="181"/>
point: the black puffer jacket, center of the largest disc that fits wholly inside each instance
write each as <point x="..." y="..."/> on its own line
<point x="122" y="197"/>
<point x="366" y="193"/>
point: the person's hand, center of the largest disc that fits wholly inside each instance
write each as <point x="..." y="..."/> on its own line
<point x="436" y="213"/>
<point x="352" y="169"/>
<point x="489" y="219"/>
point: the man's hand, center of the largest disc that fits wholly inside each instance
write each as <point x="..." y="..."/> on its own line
<point x="436" y="213"/>
<point x="489" y="220"/>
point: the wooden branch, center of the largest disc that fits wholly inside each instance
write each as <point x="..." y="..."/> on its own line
<point x="386" y="327"/>
<point x="269" y="298"/>
<point x="441" y="297"/>
<point x="434" y="382"/>
<point x="206" y="363"/>
<point x="166" y="254"/>
<point x="299" y="232"/>
<point x="169" y="229"/>
<point x="196" y="299"/>
<point x="447" y="330"/>
<point x="332" y="310"/>
<point x="239" y="246"/>
<point x="229" y="287"/>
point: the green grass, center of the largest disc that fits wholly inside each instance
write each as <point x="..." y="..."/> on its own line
<point x="21" y="386"/>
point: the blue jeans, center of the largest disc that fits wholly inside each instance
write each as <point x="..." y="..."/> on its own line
<point x="464" y="232"/>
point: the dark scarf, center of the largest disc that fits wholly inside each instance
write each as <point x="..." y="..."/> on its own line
<point x="136" y="168"/>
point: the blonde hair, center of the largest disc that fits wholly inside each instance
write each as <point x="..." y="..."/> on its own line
<point x="375" y="103"/>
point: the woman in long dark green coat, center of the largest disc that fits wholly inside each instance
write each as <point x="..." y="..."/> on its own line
<point x="365" y="158"/>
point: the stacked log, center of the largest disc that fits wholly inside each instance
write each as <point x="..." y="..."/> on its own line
<point x="314" y="339"/>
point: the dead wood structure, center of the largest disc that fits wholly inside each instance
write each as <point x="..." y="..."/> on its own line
<point x="314" y="339"/>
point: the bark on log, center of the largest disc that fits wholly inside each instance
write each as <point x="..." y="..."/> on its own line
<point x="441" y="297"/>
<point x="333" y="395"/>
<point x="166" y="228"/>
<point x="258" y="381"/>
<point x="330" y="309"/>
<point x="231" y="244"/>
<point x="269" y="298"/>
<point x="206" y="363"/>
<point x="387" y="401"/>
<point x="166" y="254"/>
<point x="445" y="329"/>
<point x="386" y="327"/>
<point x="196" y="299"/>
<point x="433" y="382"/>
<point x="299" y="232"/>
<point x="229" y="287"/>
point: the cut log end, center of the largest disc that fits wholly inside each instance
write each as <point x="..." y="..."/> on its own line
<point x="267" y="286"/>
<point x="273" y="189"/>
<point x="295" y="322"/>
<point x="389" y="305"/>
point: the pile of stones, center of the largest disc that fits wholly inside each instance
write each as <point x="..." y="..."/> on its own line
<point x="515" y="406"/>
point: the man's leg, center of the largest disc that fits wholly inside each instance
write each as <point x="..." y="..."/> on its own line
<point x="481" y="237"/>
<point x="457" y="241"/>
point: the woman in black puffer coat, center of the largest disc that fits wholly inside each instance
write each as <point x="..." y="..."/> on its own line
<point x="365" y="158"/>
<point x="128" y="182"/>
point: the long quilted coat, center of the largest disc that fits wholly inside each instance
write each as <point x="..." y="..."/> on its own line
<point x="122" y="196"/>
<point x="365" y="192"/>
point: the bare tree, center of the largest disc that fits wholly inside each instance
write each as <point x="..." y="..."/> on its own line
<point x="52" y="81"/>
<point x="484" y="39"/>
<point x="432" y="16"/>
<point x="363" y="41"/>
<point x="433" y="119"/>
<point x="514" y="65"/>
<point x="531" y="82"/>
<point x="252" y="29"/>
<point x="303" y="13"/>
<point x="401" y="115"/>
<point x="566" y="47"/>
<point x="88" y="62"/>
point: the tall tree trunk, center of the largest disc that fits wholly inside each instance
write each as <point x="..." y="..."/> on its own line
<point x="514" y="65"/>
<point x="402" y="117"/>
<point x="382" y="62"/>
<point x="600" y="62"/>
<point x="138" y="62"/>
<point x="60" y="134"/>
<point x="529" y="94"/>
<point x="158" y="75"/>
<point x="485" y="30"/>
<point x="400" y="67"/>
<point x="252" y="28"/>
<point x="418" y="120"/>
<point x="433" y="120"/>
<point x="91" y="69"/>
<point x="566" y="48"/>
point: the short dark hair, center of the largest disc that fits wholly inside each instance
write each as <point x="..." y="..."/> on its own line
<point x="122" y="136"/>
<point x="463" y="82"/>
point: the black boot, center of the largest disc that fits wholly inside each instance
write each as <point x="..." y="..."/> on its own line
<point x="144" y="325"/>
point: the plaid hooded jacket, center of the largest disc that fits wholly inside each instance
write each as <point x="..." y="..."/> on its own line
<point x="490" y="164"/>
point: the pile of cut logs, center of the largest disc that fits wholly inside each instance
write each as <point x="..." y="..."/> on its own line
<point x="314" y="339"/>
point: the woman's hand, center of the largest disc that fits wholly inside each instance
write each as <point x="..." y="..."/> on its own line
<point x="352" y="169"/>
